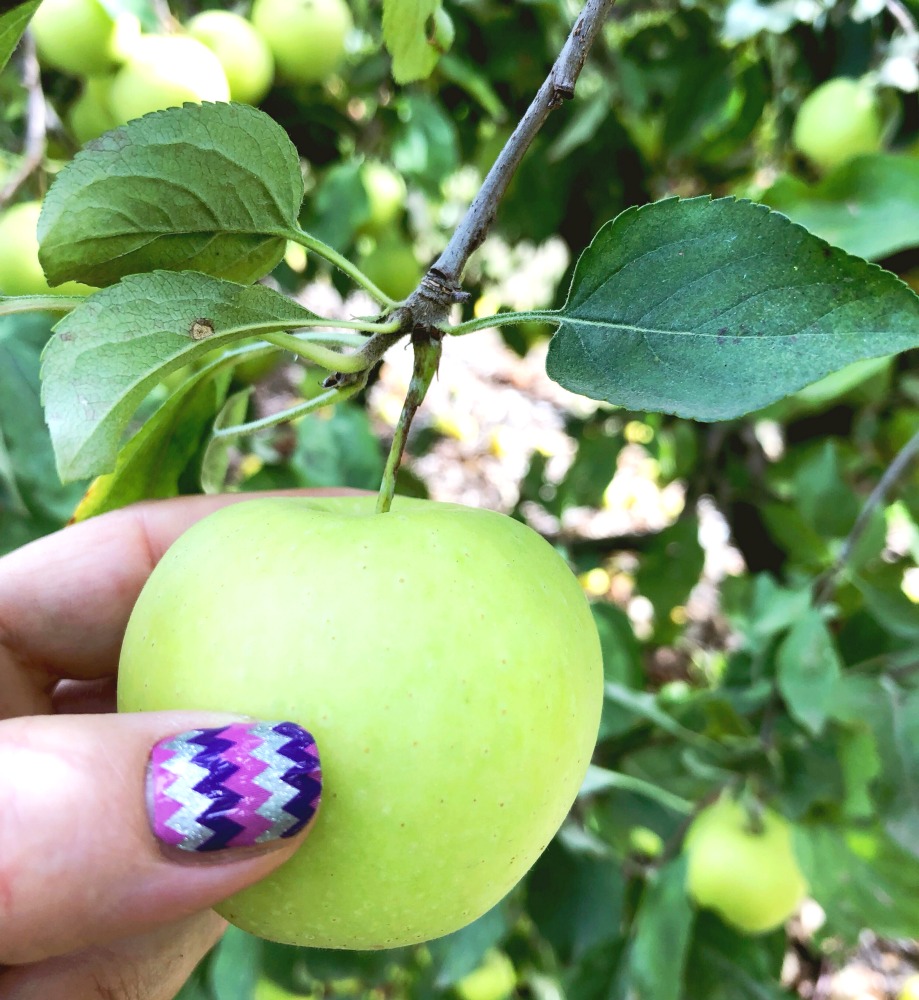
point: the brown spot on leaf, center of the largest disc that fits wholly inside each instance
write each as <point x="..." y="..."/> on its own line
<point x="201" y="329"/>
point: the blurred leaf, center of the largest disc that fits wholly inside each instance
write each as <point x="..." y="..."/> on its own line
<point x="868" y="206"/>
<point x="621" y="663"/>
<point x="196" y="988"/>
<point x="591" y="471"/>
<point x="425" y="147"/>
<point x="600" y="975"/>
<point x="861" y="879"/>
<point x="459" y="953"/>
<point x="337" y="447"/>
<point x="772" y="610"/>
<point x="808" y="668"/>
<point x="112" y="349"/>
<point x="12" y="25"/>
<point x="670" y="567"/>
<point x="216" y="460"/>
<point x="26" y="457"/>
<point x="861" y="764"/>
<point x="825" y="500"/>
<point x="340" y="205"/>
<point x="144" y="10"/>
<point x="212" y="187"/>
<point x="724" y="964"/>
<point x="234" y="967"/>
<point x="405" y="33"/>
<point x="711" y="309"/>
<point x="575" y="900"/>
<point x="151" y="463"/>
<point x="885" y="599"/>
<point x="661" y="934"/>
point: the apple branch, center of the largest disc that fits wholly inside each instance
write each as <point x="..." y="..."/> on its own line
<point x="36" y="122"/>
<point x="440" y="286"/>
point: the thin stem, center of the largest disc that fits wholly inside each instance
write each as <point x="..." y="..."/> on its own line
<point x="333" y="361"/>
<point x="427" y="346"/>
<point x="558" y="87"/>
<point x="345" y="266"/>
<point x="902" y="461"/>
<point x="602" y="778"/>
<point x="899" y="12"/>
<point x="328" y="398"/>
<point x="39" y="303"/>
<point x="36" y="122"/>
<point x="503" y="319"/>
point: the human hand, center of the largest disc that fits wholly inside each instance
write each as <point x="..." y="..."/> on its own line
<point x="93" y="901"/>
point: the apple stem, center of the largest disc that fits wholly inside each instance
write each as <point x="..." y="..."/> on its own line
<point x="427" y="346"/>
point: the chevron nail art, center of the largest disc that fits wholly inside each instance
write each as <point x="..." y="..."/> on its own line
<point x="239" y="785"/>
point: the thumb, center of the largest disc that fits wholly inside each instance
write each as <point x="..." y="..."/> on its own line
<point x="120" y="823"/>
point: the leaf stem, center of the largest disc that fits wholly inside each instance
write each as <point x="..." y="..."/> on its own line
<point x="333" y="361"/>
<point x="11" y="305"/>
<point x="427" y="345"/>
<point x="345" y="266"/>
<point x="601" y="778"/>
<point x="504" y="319"/>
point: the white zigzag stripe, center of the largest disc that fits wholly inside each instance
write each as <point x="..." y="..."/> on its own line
<point x="270" y="779"/>
<point x="188" y="774"/>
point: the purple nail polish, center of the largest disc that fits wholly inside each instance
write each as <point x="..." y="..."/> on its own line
<point x="235" y="786"/>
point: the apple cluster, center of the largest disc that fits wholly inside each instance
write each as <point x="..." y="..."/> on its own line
<point x="217" y="56"/>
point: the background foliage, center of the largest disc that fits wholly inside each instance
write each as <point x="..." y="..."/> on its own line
<point x="781" y="672"/>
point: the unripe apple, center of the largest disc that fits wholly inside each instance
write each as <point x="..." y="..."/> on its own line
<point x="75" y="36"/>
<point x="307" y="37"/>
<point x="494" y="979"/>
<point x="393" y="267"/>
<point x="91" y="114"/>
<point x="837" y="122"/>
<point x="20" y="271"/>
<point x="448" y="665"/>
<point x="165" y="71"/>
<point x="747" y="873"/>
<point x="243" y="53"/>
<point x="910" y="989"/>
<point x="385" y="190"/>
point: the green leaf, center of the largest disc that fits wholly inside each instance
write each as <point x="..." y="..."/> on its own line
<point x="152" y="462"/>
<point x="212" y="187"/>
<point x="459" y="953"/>
<point x="825" y="500"/>
<point x="405" y="33"/>
<point x="711" y="309"/>
<point x="869" y="206"/>
<point x="338" y="448"/>
<point x="670" y="567"/>
<point x="426" y="146"/>
<point x="112" y="349"/>
<point x="861" y="764"/>
<point x="808" y="668"/>
<point x="727" y="965"/>
<point x="234" y="966"/>
<point x="622" y="664"/>
<point x="216" y="461"/>
<point x="12" y="25"/>
<point x="661" y="935"/>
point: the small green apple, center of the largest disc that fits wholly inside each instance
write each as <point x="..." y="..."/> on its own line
<point x="750" y="877"/>
<point x="494" y="979"/>
<point x="447" y="663"/>
<point x="75" y="36"/>
<point x="307" y="37"/>
<point x="165" y="71"/>
<point x="393" y="267"/>
<point x="910" y="989"/>
<point x="20" y="271"/>
<point x="243" y="53"/>
<point x="385" y="190"/>
<point x="837" y="122"/>
<point x="90" y="114"/>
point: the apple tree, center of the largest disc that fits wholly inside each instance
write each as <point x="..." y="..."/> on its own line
<point x="700" y="223"/>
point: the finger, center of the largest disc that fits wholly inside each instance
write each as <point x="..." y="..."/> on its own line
<point x="95" y="845"/>
<point x="66" y="598"/>
<point x="153" y="966"/>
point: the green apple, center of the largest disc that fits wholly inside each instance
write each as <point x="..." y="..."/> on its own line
<point x="837" y="122"/>
<point x="243" y="53"/>
<point x="448" y="665"/>
<point x="748" y="874"/>
<point x="393" y="267"/>
<point x="91" y="114"/>
<point x="75" y="36"/>
<point x="164" y="71"/>
<point x="385" y="190"/>
<point x="494" y="979"/>
<point x="20" y="271"/>
<point x="910" y="989"/>
<point x="307" y="37"/>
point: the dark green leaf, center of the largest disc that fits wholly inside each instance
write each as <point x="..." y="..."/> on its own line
<point x="426" y="146"/>
<point x="727" y="965"/>
<point x="338" y="448"/>
<point x="152" y="462"/>
<point x="457" y="954"/>
<point x="661" y="935"/>
<point x="711" y="309"/>
<point x="211" y="187"/>
<point x="111" y="350"/>
<point x="12" y="25"/>
<point x="671" y="566"/>
<point x="621" y="664"/>
<point x="825" y="500"/>
<point x="869" y="206"/>
<point x="808" y="668"/>
<point x="600" y="975"/>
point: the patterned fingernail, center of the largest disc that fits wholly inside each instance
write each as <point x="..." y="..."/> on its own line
<point x="235" y="786"/>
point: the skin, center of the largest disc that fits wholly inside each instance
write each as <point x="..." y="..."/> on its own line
<point x="137" y="927"/>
